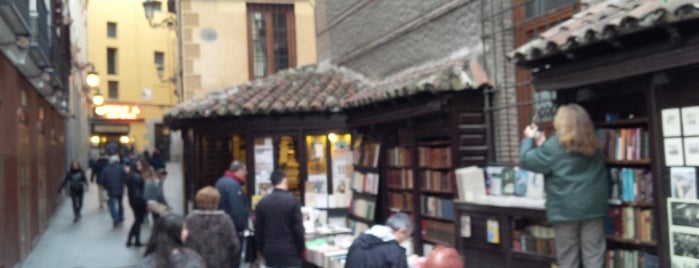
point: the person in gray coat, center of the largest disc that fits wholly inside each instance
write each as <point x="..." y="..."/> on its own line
<point x="233" y="199"/>
<point x="211" y="232"/>
<point x="113" y="179"/>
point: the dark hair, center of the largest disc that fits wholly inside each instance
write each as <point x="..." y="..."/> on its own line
<point x="75" y="162"/>
<point x="236" y="165"/>
<point x="277" y="177"/>
<point x="166" y="235"/>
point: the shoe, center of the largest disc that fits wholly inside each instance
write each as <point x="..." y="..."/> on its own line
<point x="116" y="224"/>
<point x="128" y="244"/>
<point x="137" y="244"/>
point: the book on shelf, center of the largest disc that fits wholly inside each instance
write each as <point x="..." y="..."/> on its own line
<point x="399" y="178"/>
<point x="535" y="239"/>
<point x="437" y="207"/>
<point x="365" y="182"/>
<point x="624" y="144"/>
<point x="630" y="223"/>
<point x="438" y="232"/>
<point x="363" y="208"/>
<point x="370" y="154"/>
<point x="631" y="184"/>
<point x="357" y="227"/>
<point x="630" y="258"/>
<point x="470" y="183"/>
<point x="434" y="157"/>
<point x="438" y="181"/>
<point x="399" y="157"/>
<point x="400" y="201"/>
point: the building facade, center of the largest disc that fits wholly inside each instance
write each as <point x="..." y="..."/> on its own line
<point x="79" y="103"/>
<point x="229" y="42"/>
<point x="34" y="66"/>
<point x="137" y="65"/>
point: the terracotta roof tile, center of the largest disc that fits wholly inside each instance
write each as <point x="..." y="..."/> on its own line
<point x="606" y="20"/>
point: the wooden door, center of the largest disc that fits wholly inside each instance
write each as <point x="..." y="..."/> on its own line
<point x="41" y="166"/>
<point x="24" y="185"/>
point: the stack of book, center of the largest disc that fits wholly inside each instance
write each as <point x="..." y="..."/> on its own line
<point x="431" y="157"/>
<point x="438" y="232"/>
<point x="630" y="259"/>
<point x="631" y="184"/>
<point x="399" y="157"/>
<point x="624" y="144"/>
<point x="437" y="181"/>
<point x="400" y="201"/>
<point x="437" y="207"/>
<point x="365" y="183"/>
<point x="370" y="154"/>
<point x="535" y="239"/>
<point x="631" y="223"/>
<point x="399" y="178"/>
<point x="363" y="208"/>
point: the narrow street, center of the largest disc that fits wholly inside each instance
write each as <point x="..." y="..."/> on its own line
<point x="92" y="242"/>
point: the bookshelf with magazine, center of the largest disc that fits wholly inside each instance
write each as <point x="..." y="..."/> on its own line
<point x="399" y="174"/>
<point x="364" y="183"/>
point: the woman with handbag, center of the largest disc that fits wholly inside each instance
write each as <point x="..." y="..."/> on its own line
<point x="135" y="184"/>
<point x="155" y="198"/>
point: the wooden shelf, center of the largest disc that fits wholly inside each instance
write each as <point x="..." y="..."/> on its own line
<point x="437" y="168"/>
<point x="628" y="162"/>
<point x="365" y="169"/>
<point x="394" y="167"/>
<point x="523" y="255"/>
<point x="398" y="189"/>
<point x="642" y="204"/>
<point x="364" y="194"/>
<point x="635" y="242"/>
<point x="641" y="121"/>
<point x="436" y="192"/>
<point x="434" y="218"/>
<point x="360" y="219"/>
<point x="437" y="241"/>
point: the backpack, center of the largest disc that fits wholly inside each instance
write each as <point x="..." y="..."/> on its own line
<point x="76" y="183"/>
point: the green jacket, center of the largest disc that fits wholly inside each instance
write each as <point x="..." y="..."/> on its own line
<point x="576" y="185"/>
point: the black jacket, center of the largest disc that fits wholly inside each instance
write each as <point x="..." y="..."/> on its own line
<point x="279" y="229"/>
<point x="372" y="251"/>
<point x="112" y="178"/>
<point x="234" y="202"/>
<point x="134" y="184"/>
<point x="73" y="177"/>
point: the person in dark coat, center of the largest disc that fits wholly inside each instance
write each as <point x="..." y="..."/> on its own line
<point x="134" y="184"/>
<point x="279" y="229"/>
<point x="211" y="232"/>
<point x="233" y="199"/>
<point x="166" y="247"/>
<point x="101" y="162"/>
<point x="156" y="161"/>
<point x="380" y="245"/>
<point x="112" y="178"/>
<point x="76" y="181"/>
<point x="112" y="148"/>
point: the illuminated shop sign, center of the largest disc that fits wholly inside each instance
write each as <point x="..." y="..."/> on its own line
<point x="115" y="111"/>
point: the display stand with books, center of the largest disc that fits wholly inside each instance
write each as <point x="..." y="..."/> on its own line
<point x="364" y="183"/>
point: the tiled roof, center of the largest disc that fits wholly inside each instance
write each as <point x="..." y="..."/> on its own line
<point x="312" y="89"/>
<point x="450" y="75"/>
<point x="304" y="89"/>
<point x="606" y="20"/>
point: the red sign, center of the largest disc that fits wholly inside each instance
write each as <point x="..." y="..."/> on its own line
<point x="118" y="112"/>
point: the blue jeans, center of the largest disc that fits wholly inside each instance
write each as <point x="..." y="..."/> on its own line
<point x="117" y="216"/>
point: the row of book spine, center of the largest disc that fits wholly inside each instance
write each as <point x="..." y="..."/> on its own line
<point x="434" y="157"/>
<point x="370" y="154"/>
<point x="631" y="223"/>
<point x="437" y="180"/>
<point x="400" y="178"/>
<point x="400" y="201"/>
<point x="438" y="231"/>
<point x="437" y="207"/>
<point x="630" y="259"/>
<point x="631" y="184"/>
<point x="399" y="157"/>
<point x="537" y="239"/>
<point x="624" y="144"/>
<point x="363" y="208"/>
<point x="365" y="182"/>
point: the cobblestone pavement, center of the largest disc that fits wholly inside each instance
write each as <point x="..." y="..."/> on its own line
<point x="92" y="242"/>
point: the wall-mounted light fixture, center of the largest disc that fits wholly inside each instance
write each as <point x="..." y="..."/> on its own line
<point x="169" y="22"/>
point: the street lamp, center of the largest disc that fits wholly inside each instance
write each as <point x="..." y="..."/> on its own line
<point x="93" y="78"/>
<point x="170" y="22"/>
<point x="98" y="99"/>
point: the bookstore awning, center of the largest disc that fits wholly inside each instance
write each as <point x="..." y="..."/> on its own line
<point x="609" y="21"/>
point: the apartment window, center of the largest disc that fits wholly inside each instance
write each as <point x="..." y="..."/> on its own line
<point x="113" y="93"/>
<point x="159" y="59"/>
<point x="171" y="6"/>
<point x="536" y="8"/>
<point x="111" y="61"/>
<point x="271" y="39"/>
<point x="159" y="6"/>
<point x="111" y="29"/>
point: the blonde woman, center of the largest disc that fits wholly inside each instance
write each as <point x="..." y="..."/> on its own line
<point x="576" y="185"/>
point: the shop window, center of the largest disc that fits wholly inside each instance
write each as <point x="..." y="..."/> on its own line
<point x="238" y="148"/>
<point x="288" y="161"/>
<point x="113" y="93"/>
<point x="111" y="29"/>
<point x="264" y="165"/>
<point x="271" y="40"/>
<point x="316" y="187"/>
<point x="341" y="159"/>
<point x="536" y="8"/>
<point x="111" y="61"/>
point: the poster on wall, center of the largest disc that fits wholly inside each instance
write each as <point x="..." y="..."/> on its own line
<point x="691" y="151"/>
<point x="683" y="219"/>
<point x="683" y="246"/>
<point x="671" y="122"/>
<point x="264" y="165"/>
<point x="683" y="182"/>
<point x="342" y="169"/>
<point x="690" y="121"/>
<point x="674" y="154"/>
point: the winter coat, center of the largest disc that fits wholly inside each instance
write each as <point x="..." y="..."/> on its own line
<point x="153" y="190"/>
<point x="135" y="185"/>
<point x="576" y="185"/>
<point x="212" y="234"/>
<point x="113" y="178"/>
<point x="233" y="202"/>
<point x="376" y="248"/>
<point x="279" y="229"/>
<point x="180" y="258"/>
<point x="157" y="163"/>
<point x="75" y="180"/>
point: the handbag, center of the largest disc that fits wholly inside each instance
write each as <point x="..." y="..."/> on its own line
<point x="158" y="208"/>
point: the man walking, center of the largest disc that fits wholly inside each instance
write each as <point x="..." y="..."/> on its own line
<point x="233" y="200"/>
<point x="279" y="226"/>
<point x="112" y="178"/>
<point x="380" y="245"/>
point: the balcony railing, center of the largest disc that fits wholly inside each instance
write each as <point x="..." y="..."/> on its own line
<point x="61" y="66"/>
<point x="40" y="41"/>
<point x="16" y="13"/>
